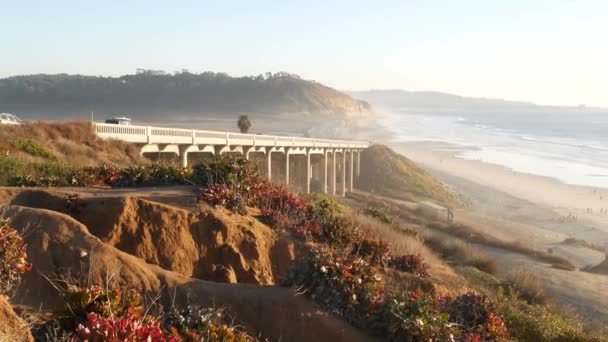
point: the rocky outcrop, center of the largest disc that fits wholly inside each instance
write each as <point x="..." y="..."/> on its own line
<point x="213" y="244"/>
<point x="58" y="243"/>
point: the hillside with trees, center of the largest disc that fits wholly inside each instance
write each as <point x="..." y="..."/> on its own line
<point x="155" y="94"/>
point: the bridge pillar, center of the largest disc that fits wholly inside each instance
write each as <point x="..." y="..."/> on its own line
<point x="333" y="174"/>
<point x="183" y="154"/>
<point x="246" y="151"/>
<point x="358" y="162"/>
<point x="352" y="154"/>
<point x="325" y="152"/>
<point x="343" y="172"/>
<point x="308" y="171"/>
<point x="269" y="163"/>
<point x="287" y="166"/>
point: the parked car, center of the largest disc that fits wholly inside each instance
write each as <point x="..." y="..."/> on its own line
<point x="122" y="120"/>
<point x="9" y="119"/>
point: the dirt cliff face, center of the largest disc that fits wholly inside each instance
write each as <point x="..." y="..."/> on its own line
<point x="58" y="243"/>
<point x="212" y="244"/>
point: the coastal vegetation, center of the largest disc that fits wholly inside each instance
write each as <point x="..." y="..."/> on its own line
<point x="383" y="172"/>
<point x="367" y="260"/>
<point x="459" y="230"/>
<point x="347" y="270"/>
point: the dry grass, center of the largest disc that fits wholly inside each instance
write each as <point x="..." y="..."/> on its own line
<point x="583" y="243"/>
<point x="401" y="243"/>
<point x="461" y="253"/>
<point x="470" y="234"/>
<point x="385" y="172"/>
<point x="528" y="286"/>
<point x="462" y="231"/>
<point x="404" y="213"/>
<point x="73" y="143"/>
<point x="443" y="280"/>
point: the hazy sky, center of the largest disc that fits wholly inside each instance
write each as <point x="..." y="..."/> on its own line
<point x="551" y="52"/>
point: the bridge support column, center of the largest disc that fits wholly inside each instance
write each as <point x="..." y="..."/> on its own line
<point x="358" y="162"/>
<point x="183" y="154"/>
<point x="246" y="151"/>
<point x="343" y="173"/>
<point x="308" y="171"/>
<point x="269" y="163"/>
<point x="286" y="166"/>
<point x="325" y="152"/>
<point x="333" y="175"/>
<point x="352" y="155"/>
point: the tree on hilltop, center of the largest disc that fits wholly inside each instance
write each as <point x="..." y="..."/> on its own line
<point x="244" y="123"/>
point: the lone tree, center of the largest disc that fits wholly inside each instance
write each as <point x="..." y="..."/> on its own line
<point x="244" y="123"/>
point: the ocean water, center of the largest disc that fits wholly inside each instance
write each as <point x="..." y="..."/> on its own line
<point x="569" y="146"/>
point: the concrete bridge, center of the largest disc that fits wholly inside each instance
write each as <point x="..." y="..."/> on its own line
<point x="329" y="166"/>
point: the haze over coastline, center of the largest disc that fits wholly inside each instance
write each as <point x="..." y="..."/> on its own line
<point x="565" y="143"/>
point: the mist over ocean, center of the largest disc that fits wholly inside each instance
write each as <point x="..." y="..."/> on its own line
<point x="569" y="146"/>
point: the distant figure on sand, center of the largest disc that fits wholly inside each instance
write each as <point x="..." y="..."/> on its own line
<point x="450" y="216"/>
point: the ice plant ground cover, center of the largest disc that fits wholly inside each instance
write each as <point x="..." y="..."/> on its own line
<point x="94" y="314"/>
<point x="346" y="269"/>
<point x="13" y="256"/>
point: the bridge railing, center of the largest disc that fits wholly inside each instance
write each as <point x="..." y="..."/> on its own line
<point x="163" y="135"/>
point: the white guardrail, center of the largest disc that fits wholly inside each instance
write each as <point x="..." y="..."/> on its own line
<point x="161" y="135"/>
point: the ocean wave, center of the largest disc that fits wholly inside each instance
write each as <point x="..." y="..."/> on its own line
<point x="562" y="143"/>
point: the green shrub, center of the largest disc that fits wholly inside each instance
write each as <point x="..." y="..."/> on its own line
<point x="324" y="210"/>
<point x="225" y="169"/>
<point x="379" y="215"/>
<point x="79" y="302"/>
<point x="375" y="251"/>
<point x="537" y="323"/>
<point x="415" y="316"/>
<point x="156" y="174"/>
<point x="9" y="166"/>
<point x="341" y="282"/>
<point x="336" y="228"/>
<point x="99" y="314"/>
<point x="410" y="263"/>
<point x="474" y="316"/>
<point x="14" y="172"/>
<point x="196" y="323"/>
<point x="225" y="196"/>
<point x="33" y="148"/>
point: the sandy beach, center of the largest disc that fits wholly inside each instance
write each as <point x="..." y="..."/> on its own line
<point x="570" y="210"/>
<point x="536" y="211"/>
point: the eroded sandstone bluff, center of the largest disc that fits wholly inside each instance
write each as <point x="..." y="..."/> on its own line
<point x="130" y="244"/>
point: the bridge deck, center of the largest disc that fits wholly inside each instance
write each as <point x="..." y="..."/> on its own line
<point x="180" y="136"/>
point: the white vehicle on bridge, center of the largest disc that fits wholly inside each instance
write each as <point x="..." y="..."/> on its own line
<point x="121" y="120"/>
<point x="9" y="119"/>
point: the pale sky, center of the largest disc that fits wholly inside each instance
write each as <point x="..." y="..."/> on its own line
<point x="545" y="51"/>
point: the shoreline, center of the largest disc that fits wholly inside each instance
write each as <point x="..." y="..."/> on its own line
<point x="576" y="203"/>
